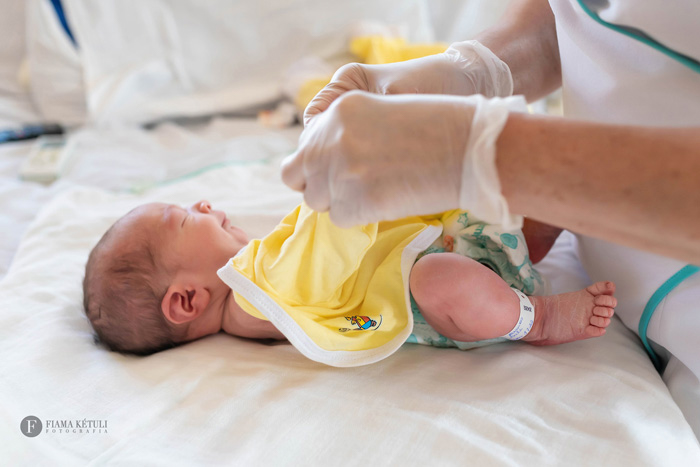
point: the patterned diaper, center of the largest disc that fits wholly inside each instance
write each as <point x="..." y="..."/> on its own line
<point x="505" y="252"/>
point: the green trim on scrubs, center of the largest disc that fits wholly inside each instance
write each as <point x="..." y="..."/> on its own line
<point x="643" y="38"/>
<point x="666" y="288"/>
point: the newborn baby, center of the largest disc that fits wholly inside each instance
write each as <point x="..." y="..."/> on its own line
<point x="162" y="275"/>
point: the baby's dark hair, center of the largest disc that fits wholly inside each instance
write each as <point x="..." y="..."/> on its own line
<point x="123" y="289"/>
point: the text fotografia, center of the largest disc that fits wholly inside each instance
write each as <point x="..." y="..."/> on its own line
<point x="32" y="426"/>
<point x="76" y="426"/>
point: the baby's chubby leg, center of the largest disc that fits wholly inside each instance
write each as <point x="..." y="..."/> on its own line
<point x="466" y="301"/>
<point x="463" y="299"/>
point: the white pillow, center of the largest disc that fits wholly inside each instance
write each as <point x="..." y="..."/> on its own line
<point x="55" y="69"/>
<point x="144" y="61"/>
<point x="15" y="104"/>
<point x="12" y="44"/>
<point x="139" y="62"/>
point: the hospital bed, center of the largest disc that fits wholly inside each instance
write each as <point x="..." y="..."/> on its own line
<point x="230" y="401"/>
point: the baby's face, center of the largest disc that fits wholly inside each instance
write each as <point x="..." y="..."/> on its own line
<point x="196" y="238"/>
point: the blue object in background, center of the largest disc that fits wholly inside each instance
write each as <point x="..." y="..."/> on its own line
<point x="29" y="132"/>
<point x="58" y="7"/>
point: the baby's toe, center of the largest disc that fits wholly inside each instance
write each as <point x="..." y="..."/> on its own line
<point x="602" y="288"/>
<point x="603" y="311"/>
<point x="605" y="300"/>
<point x="594" y="331"/>
<point x="599" y="321"/>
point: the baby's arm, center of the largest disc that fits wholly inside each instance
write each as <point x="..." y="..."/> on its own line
<point x="239" y="323"/>
<point x="466" y="301"/>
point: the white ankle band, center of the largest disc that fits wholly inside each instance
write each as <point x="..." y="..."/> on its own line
<point x="526" y="320"/>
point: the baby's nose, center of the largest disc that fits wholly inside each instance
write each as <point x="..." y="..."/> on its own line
<point x="203" y="206"/>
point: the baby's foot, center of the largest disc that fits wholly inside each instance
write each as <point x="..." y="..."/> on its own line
<point x="572" y="316"/>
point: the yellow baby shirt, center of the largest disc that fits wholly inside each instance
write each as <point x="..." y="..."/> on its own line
<point x="340" y="296"/>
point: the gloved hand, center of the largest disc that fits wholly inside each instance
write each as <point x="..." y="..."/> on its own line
<point x="370" y="158"/>
<point x="465" y="68"/>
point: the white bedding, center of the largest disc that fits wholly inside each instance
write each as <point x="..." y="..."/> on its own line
<point x="15" y="105"/>
<point x="146" y="61"/>
<point x="229" y="401"/>
<point x="19" y="201"/>
<point x="224" y="400"/>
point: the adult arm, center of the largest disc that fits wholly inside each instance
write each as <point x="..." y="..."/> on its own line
<point x="636" y="186"/>
<point x="632" y="185"/>
<point x="372" y="157"/>
<point x="525" y="38"/>
<point x="533" y="59"/>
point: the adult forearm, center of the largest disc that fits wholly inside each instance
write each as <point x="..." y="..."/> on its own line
<point x="526" y="39"/>
<point x="636" y="186"/>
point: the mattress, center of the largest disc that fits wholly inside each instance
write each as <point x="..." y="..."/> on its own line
<point x="226" y="400"/>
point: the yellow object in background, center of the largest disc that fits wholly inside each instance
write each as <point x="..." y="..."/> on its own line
<point x="374" y="50"/>
<point x="308" y="90"/>
<point x="371" y="50"/>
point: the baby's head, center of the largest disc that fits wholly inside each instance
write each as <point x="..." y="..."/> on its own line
<point x="151" y="283"/>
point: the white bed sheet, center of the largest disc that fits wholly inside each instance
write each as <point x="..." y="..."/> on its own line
<point x="124" y="158"/>
<point x="224" y="400"/>
<point x="20" y="201"/>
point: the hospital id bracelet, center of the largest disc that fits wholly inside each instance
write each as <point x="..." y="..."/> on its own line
<point x="526" y="319"/>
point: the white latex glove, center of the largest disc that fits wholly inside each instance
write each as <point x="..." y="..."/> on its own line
<point x="370" y="158"/>
<point x="465" y="68"/>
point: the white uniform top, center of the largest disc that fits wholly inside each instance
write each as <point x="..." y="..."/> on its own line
<point x="609" y="77"/>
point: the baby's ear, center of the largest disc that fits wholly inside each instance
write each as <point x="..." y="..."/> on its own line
<point x="182" y="304"/>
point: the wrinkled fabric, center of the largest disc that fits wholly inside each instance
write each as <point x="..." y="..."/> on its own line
<point x="333" y="291"/>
